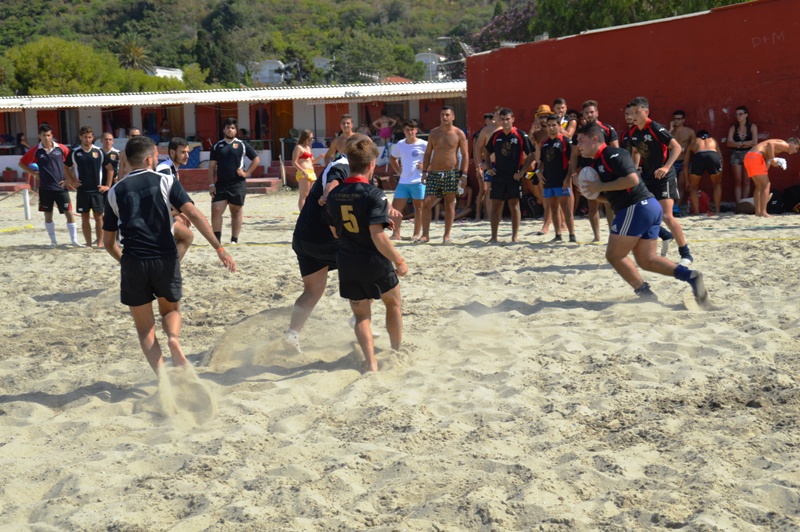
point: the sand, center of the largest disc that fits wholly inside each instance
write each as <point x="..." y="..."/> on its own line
<point x="533" y="392"/>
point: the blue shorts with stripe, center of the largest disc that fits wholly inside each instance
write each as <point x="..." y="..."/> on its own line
<point x="641" y="219"/>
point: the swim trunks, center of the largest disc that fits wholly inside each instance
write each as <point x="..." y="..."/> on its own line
<point x="385" y="133"/>
<point x="440" y="184"/>
<point x="754" y="164"/>
<point x="705" y="161"/>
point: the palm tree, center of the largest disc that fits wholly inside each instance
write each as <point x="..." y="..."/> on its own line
<point x="134" y="52"/>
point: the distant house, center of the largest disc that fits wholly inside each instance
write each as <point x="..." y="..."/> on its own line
<point x="266" y="72"/>
<point x="164" y="72"/>
<point x="431" y="62"/>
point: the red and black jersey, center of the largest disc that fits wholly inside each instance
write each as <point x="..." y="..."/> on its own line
<point x="625" y="141"/>
<point x="88" y="167"/>
<point x="353" y="206"/>
<point x="554" y="158"/>
<point x="652" y="143"/>
<point x="51" y="165"/>
<point x="509" y="150"/>
<point x="610" y="134"/>
<point x="112" y="158"/>
<point x="613" y="163"/>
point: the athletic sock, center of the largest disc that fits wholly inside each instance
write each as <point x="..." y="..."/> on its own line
<point x="663" y="234"/>
<point x="73" y="231"/>
<point x="682" y="273"/>
<point x="51" y="231"/>
<point x="684" y="251"/>
<point x="218" y="235"/>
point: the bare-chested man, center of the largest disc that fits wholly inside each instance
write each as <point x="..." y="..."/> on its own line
<point x="338" y="144"/>
<point x="757" y="163"/>
<point x="489" y="127"/>
<point x="685" y="137"/>
<point x="704" y="156"/>
<point x="440" y="171"/>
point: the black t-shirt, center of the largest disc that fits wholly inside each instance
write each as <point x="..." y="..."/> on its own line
<point x="612" y="163"/>
<point x="652" y="143"/>
<point x="509" y="150"/>
<point x="610" y="134"/>
<point x="112" y="158"/>
<point x="139" y="208"/>
<point x="230" y="157"/>
<point x="354" y="206"/>
<point x="51" y="165"/>
<point x="88" y="167"/>
<point x="625" y="141"/>
<point x="313" y="224"/>
<point x="554" y="158"/>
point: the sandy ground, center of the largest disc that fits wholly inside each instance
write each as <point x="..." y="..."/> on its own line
<point x="533" y="391"/>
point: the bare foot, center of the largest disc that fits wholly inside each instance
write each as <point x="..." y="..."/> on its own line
<point x="596" y="239"/>
<point x="424" y="239"/>
<point x="395" y="237"/>
<point x="446" y="241"/>
<point x="492" y="241"/>
<point x="178" y="358"/>
<point x="515" y="240"/>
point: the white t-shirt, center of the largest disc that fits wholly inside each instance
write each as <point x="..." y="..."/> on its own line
<point x="409" y="155"/>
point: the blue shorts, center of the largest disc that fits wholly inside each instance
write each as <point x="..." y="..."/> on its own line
<point x="412" y="190"/>
<point x="556" y="192"/>
<point x="641" y="219"/>
<point x="487" y="177"/>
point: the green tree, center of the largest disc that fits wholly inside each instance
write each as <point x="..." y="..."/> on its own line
<point x="362" y="59"/>
<point x="134" y="53"/>
<point x="299" y="66"/>
<point x="194" y="77"/>
<point x="51" y="65"/>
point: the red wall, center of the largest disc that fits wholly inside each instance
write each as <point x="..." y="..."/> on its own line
<point x="706" y="64"/>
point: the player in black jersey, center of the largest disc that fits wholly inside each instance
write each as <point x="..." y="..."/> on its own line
<point x="139" y="208"/>
<point x="637" y="216"/>
<point x="513" y="156"/>
<point x="552" y="162"/>
<point x="88" y="165"/>
<point x="658" y="151"/>
<point x="368" y="262"/>
<point x="228" y="178"/>
<point x="49" y="157"/>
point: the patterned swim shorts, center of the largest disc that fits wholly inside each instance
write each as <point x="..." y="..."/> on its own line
<point x="442" y="183"/>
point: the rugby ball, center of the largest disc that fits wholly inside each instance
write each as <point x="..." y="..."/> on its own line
<point x="587" y="175"/>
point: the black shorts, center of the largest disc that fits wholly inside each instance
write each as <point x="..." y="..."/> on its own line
<point x="231" y="191"/>
<point x="312" y="256"/>
<point x="143" y="280"/>
<point x="705" y="161"/>
<point x="58" y="197"/>
<point x="505" y="188"/>
<point x="663" y="189"/>
<point x="87" y="201"/>
<point x="355" y="290"/>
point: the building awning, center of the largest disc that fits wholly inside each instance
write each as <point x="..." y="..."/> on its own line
<point x="318" y="94"/>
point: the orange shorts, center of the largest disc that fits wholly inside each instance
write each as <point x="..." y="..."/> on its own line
<point x="754" y="164"/>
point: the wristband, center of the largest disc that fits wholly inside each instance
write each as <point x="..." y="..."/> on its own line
<point x="220" y="249"/>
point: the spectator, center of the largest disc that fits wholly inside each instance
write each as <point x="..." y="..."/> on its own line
<point x="742" y="136"/>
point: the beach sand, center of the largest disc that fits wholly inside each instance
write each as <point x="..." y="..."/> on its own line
<point x="533" y="391"/>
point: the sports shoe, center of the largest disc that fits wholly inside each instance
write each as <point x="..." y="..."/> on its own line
<point x="645" y="294"/>
<point x="572" y="238"/>
<point x="291" y="340"/>
<point x="557" y="239"/>
<point x="698" y="286"/>
<point x="665" y="246"/>
<point x="77" y="244"/>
